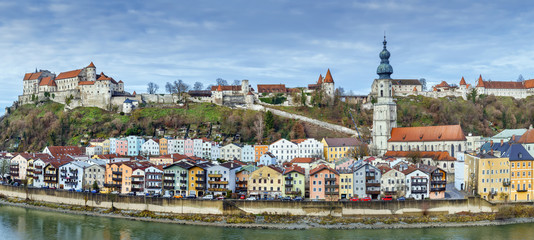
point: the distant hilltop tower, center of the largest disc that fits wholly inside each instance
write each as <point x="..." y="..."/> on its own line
<point x="385" y="109"/>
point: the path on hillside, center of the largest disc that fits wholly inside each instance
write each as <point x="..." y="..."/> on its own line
<point x="322" y="124"/>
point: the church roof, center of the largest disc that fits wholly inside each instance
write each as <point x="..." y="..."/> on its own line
<point x="320" y="81"/>
<point x="443" y="84"/>
<point x="427" y="134"/>
<point x="272" y="88"/>
<point x="91" y="65"/>
<point x="384" y="70"/>
<point x="328" y="78"/>
<point x="32" y="76"/>
<point x="435" y="155"/>
<point x="69" y="74"/>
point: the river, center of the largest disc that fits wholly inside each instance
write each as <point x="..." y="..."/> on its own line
<point x="21" y="223"/>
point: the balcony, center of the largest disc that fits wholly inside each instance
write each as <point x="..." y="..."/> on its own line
<point x="183" y="188"/>
<point x="137" y="190"/>
<point x="506" y="183"/>
<point x="331" y="193"/>
<point x="138" y="176"/>
<point x="372" y="192"/>
<point x="442" y="182"/>
<point x="425" y="183"/>
<point x="372" y="184"/>
<point x="437" y="189"/>
<point x="200" y="188"/>
<point x="112" y="185"/>
<point x="240" y="189"/>
<point x="168" y="181"/>
<point x="289" y="178"/>
<point x="153" y="187"/>
<point x="289" y="185"/>
<point x="332" y="186"/>
<point x="50" y="180"/>
<point x="169" y="174"/>
<point x="183" y="181"/>
<point x="390" y="192"/>
<point x="116" y="172"/>
<point x="183" y="175"/>
<point x="39" y="167"/>
<point x="419" y="191"/>
<point x="48" y="175"/>
<point x="37" y="171"/>
<point x="241" y="182"/>
<point x="330" y="179"/>
<point x="218" y="182"/>
<point x="200" y="181"/>
<point x="137" y="181"/>
<point x="217" y="189"/>
<point x="200" y="175"/>
<point x="116" y="179"/>
<point x="153" y="180"/>
<point x="521" y="190"/>
<point x="293" y="193"/>
<point x="168" y="187"/>
<point x="215" y="175"/>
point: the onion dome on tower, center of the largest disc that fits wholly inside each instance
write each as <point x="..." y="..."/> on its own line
<point x="384" y="70"/>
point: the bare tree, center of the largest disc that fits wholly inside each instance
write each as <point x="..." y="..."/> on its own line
<point x="180" y="87"/>
<point x="209" y="87"/>
<point x="152" y="88"/>
<point x="259" y="127"/>
<point x="169" y="88"/>
<point x="221" y="82"/>
<point x="359" y="151"/>
<point x="237" y="82"/>
<point x="198" y="86"/>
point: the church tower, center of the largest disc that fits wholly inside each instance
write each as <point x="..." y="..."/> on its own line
<point x="385" y="109"/>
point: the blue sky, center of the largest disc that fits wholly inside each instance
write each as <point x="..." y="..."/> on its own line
<point x="289" y="42"/>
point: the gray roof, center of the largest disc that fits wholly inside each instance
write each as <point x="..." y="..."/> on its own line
<point x="342" y="142"/>
<point x="517" y="152"/>
<point x="406" y="82"/>
<point x="508" y="133"/>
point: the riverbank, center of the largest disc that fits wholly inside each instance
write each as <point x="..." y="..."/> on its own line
<point x="287" y="222"/>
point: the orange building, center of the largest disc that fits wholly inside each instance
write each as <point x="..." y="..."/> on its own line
<point x="259" y="150"/>
<point x="163" y="146"/>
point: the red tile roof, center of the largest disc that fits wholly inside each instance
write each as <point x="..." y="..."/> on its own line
<point x="320" y="81"/>
<point x="321" y="168"/>
<point x="57" y="151"/>
<point x="529" y="83"/>
<point x="294" y="169"/>
<point x="272" y="88"/>
<point x="462" y="82"/>
<point x="32" y="76"/>
<point x="297" y="141"/>
<point x="48" y="81"/>
<point x="91" y="65"/>
<point x="443" y="84"/>
<point x="427" y="134"/>
<point x="86" y="83"/>
<point x="436" y="155"/>
<point x="69" y="74"/>
<point x="303" y="160"/>
<point x="226" y="88"/>
<point x="527" y="137"/>
<point x="503" y="85"/>
<point x="328" y="78"/>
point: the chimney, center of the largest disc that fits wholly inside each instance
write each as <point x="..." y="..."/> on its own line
<point x="491" y="143"/>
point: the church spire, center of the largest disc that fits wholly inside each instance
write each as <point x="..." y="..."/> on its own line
<point x="384" y="70"/>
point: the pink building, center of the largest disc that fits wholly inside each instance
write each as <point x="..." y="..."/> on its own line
<point x="122" y="147"/>
<point x="324" y="183"/>
<point x="189" y="147"/>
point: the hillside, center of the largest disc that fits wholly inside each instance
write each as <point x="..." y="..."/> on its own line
<point x="31" y="128"/>
<point x="486" y="116"/>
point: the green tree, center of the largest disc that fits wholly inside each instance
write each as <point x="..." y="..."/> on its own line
<point x="95" y="186"/>
<point x="473" y="95"/>
<point x="269" y="120"/>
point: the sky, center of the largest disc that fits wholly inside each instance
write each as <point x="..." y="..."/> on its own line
<point x="289" y="42"/>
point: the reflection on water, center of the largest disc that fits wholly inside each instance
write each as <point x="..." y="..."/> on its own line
<point x="20" y="223"/>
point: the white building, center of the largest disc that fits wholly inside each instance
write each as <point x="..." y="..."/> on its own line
<point x="129" y="105"/>
<point x="93" y="150"/>
<point x="175" y="146"/>
<point x="38" y="173"/>
<point x="268" y="159"/>
<point x="221" y="178"/>
<point x="153" y="180"/>
<point x="309" y="148"/>
<point x="112" y="145"/>
<point x="230" y="152"/>
<point x="150" y="147"/>
<point x="284" y="150"/>
<point x="247" y="154"/>
<point x="134" y="145"/>
<point x="417" y="183"/>
<point x="197" y="147"/>
<point x="206" y="150"/>
<point x="71" y="175"/>
<point x="366" y="179"/>
<point x="215" y="151"/>
<point x="94" y="173"/>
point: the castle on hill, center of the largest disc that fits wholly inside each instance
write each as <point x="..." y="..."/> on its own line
<point x="77" y="88"/>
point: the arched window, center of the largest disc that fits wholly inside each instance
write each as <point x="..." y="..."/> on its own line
<point x="381" y="93"/>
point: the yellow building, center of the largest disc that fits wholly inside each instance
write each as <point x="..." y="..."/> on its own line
<point x="197" y="180"/>
<point x="163" y="146"/>
<point x="103" y="143"/>
<point x="266" y="182"/>
<point x="494" y="178"/>
<point x="521" y="173"/>
<point x="345" y="185"/>
<point x="337" y="148"/>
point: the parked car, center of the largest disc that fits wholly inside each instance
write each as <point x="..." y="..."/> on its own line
<point x="192" y="196"/>
<point x="131" y="194"/>
<point x="251" y="198"/>
<point x="167" y="195"/>
<point x="208" y="197"/>
<point x="298" y="199"/>
<point x="94" y="191"/>
<point x="387" y="198"/>
<point x="16" y="184"/>
<point x="366" y="199"/>
<point x="156" y="195"/>
<point x="177" y="196"/>
<point x="114" y="192"/>
<point x="286" y="198"/>
<point x="401" y="199"/>
<point x="354" y="199"/>
<point x="242" y="197"/>
<point x="105" y="191"/>
<point x="220" y="198"/>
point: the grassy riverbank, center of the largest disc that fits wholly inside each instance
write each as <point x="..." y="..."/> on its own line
<point x="505" y="215"/>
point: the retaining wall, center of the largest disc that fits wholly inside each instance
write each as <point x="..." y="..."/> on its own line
<point x="311" y="208"/>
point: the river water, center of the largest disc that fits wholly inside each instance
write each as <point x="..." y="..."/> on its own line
<point x="21" y="223"/>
